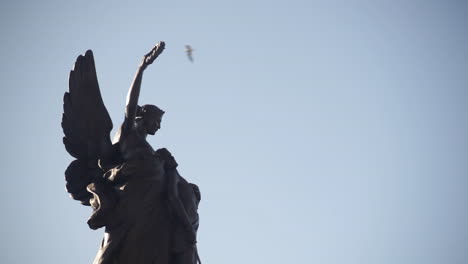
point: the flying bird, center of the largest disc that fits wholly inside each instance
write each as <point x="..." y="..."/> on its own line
<point x="189" y="51"/>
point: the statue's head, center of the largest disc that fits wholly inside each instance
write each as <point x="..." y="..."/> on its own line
<point x="149" y="116"/>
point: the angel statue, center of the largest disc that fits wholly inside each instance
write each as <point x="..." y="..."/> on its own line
<point x="148" y="210"/>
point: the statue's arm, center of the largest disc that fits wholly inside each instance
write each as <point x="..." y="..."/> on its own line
<point x="177" y="206"/>
<point x="132" y="98"/>
<point x="175" y="203"/>
<point x="134" y="91"/>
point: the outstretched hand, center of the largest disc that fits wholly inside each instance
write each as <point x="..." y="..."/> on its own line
<point x="153" y="54"/>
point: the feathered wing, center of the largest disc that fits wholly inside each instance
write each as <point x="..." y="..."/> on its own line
<point x="86" y="125"/>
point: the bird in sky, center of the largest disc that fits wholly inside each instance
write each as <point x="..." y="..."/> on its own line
<point x="189" y="51"/>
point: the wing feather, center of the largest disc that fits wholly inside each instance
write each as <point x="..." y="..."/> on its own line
<point x="86" y="122"/>
<point x="86" y="125"/>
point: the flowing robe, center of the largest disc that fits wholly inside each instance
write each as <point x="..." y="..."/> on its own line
<point x="135" y="213"/>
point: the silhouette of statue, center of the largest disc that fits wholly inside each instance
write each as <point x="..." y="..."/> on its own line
<point x="148" y="210"/>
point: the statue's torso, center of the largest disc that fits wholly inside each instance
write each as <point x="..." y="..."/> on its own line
<point x="143" y="232"/>
<point x="133" y="146"/>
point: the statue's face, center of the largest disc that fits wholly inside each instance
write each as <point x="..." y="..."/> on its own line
<point x="152" y="124"/>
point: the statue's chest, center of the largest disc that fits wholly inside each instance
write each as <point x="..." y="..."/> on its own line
<point x="135" y="148"/>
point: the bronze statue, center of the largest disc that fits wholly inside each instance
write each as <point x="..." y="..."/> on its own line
<point x="148" y="210"/>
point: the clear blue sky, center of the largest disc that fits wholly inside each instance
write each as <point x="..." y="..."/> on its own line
<point x="328" y="132"/>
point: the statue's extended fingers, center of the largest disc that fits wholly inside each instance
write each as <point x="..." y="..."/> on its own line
<point x="154" y="53"/>
<point x="149" y="53"/>
<point x="156" y="47"/>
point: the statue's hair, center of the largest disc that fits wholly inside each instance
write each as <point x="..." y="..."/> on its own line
<point x="144" y="110"/>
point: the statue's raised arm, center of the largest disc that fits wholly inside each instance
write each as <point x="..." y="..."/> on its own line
<point x="134" y="91"/>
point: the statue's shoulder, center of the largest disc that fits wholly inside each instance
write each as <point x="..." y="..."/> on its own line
<point x="166" y="156"/>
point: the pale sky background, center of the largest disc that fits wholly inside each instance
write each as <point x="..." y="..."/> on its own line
<point x="327" y="132"/>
